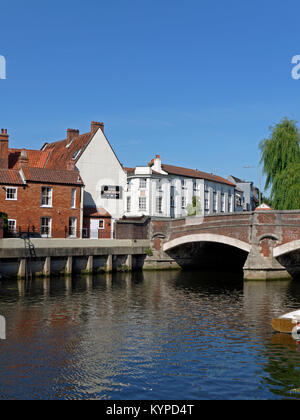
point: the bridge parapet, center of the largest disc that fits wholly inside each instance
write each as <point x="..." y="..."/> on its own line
<point x="259" y="233"/>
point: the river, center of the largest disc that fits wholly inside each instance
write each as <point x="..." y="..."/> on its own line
<point x="152" y="335"/>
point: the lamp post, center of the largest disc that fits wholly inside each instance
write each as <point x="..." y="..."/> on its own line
<point x="259" y="179"/>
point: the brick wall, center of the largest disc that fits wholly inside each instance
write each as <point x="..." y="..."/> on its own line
<point x="27" y="210"/>
<point x="102" y="233"/>
<point x="132" y="229"/>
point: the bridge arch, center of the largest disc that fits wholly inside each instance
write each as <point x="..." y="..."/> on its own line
<point x="207" y="237"/>
<point x="286" y="248"/>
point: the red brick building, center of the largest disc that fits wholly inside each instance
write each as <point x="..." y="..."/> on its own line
<point x="96" y="223"/>
<point x="38" y="199"/>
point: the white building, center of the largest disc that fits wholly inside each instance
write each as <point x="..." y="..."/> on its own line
<point x="166" y="191"/>
<point x="104" y="177"/>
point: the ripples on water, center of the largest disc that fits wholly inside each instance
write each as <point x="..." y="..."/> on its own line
<point x="159" y="335"/>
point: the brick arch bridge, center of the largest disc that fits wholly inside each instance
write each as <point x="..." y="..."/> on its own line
<point x="267" y="243"/>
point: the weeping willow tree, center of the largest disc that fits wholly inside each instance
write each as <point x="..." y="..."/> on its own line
<point x="281" y="165"/>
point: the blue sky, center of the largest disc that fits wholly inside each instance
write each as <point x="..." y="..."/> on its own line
<point x="198" y="82"/>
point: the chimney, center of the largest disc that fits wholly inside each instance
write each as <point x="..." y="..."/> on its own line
<point x="23" y="159"/>
<point x="70" y="166"/>
<point x="71" y="134"/>
<point x="4" y="148"/>
<point x="157" y="164"/>
<point x="96" y="125"/>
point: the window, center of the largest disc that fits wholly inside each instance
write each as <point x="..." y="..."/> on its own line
<point x="194" y="185"/>
<point x="183" y="202"/>
<point x="159" y="186"/>
<point x="76" y="154"/>
<point x="172" y="201"/>
<point x="73" y="198"/>
<point x="159" y="205"/>
<point x="11" y="193"/>
<point x="143" y="183"/>
<point x="215" y="201"/>
<point x="101" y="224"/>
<point x="206" y="200"/>
<point x="172" y="196"/>
<point x="11" y="225"/>
<point x="230" y="203"/>
<point x="46" y="199"/>
<point x="183" y="183"/>
<point x="142" y="203"/>
<point x="72" y="227"/>
<point x="46" y="223"/>
<point x="222" y="202"/>
<point x="128" y="204"/>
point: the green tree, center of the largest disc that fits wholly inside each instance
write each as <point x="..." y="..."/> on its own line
<point x="281" y="162"/>
<point x="194" y="209"/>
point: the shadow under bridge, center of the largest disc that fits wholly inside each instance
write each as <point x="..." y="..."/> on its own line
<point x="208" y="252"/>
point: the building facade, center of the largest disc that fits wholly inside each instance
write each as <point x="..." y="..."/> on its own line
<point x="103" y="175"/>
<point x="44" y="202"/>
<point x="250" y="193"/>
<point x="160" y="190"/>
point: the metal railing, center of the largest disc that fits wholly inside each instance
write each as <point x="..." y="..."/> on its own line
<point x="65" y="232"/>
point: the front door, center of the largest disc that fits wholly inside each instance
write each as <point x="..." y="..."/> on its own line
<point x="94" y="228"/>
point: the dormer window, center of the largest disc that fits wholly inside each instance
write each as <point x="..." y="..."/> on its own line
<point x="76" y="154"/>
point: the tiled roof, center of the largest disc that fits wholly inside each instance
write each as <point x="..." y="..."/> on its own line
<point x="95" y="212"/>
<point x="237" y="180"/>
<point x="10" y="177"/>
<point x="36" y="158"/>
<point x="193" y="173"/>
<point x="129" y="170"/>
<point x="60" y="154"/>
<point x="51" y="176"/>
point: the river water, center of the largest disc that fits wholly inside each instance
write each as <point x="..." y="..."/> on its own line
<point x="156" y="336"/>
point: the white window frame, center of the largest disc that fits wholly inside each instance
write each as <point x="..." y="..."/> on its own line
<point x="142" y="204"/>
<point x="183" y="202"/>
<point x="15" y="195"/>
<point x="74" y="227"/>
<point x="51" y="197"/>
<point x="128" y="204"/>
<point x="15" y="225"/>
<point x="223" y="205"/>
<point x="143" y="183"/>
<point x="215" y="202"/>
<point x="73" y="198"/>
<point x="45" y="235"/>
<point x="76" y="154"/>
<point x="101" y="221"/>
<point x="159" y="205"/>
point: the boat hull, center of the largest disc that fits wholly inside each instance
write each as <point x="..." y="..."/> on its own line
<point x="287" y="322"/>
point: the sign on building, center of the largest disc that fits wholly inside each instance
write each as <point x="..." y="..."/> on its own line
<point x="111" y="192"/>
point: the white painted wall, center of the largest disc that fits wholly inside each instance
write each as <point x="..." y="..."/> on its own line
<point x="98" y="166"/>
<point x="151" y="192"/>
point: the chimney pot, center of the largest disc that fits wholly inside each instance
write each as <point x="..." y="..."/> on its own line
<point x="96" y="125"/>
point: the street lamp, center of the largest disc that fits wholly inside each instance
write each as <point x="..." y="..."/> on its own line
<point x="259" y="179"/>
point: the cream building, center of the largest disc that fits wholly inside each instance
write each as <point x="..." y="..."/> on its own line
<point x="160" y="190"/>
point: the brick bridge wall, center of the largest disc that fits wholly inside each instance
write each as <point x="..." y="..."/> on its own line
<point x="262" y="234"/>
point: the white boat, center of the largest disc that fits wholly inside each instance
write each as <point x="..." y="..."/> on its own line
<point x="287" y="322"/>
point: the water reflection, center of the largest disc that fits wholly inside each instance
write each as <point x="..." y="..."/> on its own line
<point x="156" y="335"/>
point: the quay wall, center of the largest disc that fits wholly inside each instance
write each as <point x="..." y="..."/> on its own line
<point x="47" y="257"/>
